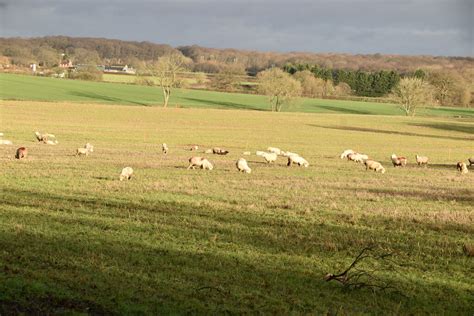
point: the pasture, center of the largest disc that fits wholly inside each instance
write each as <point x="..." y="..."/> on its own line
<point x="29" y="88"/>
<point x="73" y="238"/>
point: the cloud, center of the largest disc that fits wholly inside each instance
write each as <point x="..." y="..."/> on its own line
<point x="437" y="27"/>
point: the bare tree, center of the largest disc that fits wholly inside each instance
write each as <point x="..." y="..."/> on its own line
<point x="411" y="93"/>
<point x="166" y="72"/>
<point x="279" y="86"/>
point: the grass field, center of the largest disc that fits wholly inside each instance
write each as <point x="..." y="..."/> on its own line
<point x="17" y="87"/>
<point x="75" y="239"/>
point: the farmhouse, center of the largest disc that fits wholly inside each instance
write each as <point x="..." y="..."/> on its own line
<point x="123" y="69"/>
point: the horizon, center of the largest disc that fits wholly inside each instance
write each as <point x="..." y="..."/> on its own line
<point x="406" y="28"/>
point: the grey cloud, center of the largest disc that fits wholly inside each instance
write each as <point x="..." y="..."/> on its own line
<point x="437" y="27"/>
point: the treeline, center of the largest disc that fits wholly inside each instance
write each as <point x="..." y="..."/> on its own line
<point x="366" y="84"/>
<point x="47" y="51"/>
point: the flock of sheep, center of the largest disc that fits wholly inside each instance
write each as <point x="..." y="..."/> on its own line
<point x="270" y="156"/>
<point x="396" y="161"/>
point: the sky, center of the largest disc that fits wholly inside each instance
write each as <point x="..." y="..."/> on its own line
<point x="408" y="27"/>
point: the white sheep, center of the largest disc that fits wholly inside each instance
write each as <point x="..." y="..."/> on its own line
<point x="357" y="157"/>
<point x="300" y="161"/>
<point x="374" y="165"/>
<point x="194" y="148"/>
<point x="46" y="138"/>
<point x="242" y="166"/>
<point x="208" y="151"/>
<point x="88" y="148"/>
<point x="5" y="142"/>
<point x="471" y="161"/>
<point x="127" y="173"/>
<point x="246" y="153"/>
<point x="164" y="148"/>
<point x="200" y="162"/>
<point x="462" y="167"/>
<point x="421" y="160"/>
<point x="274" y="150"/>
<point x="346" y="152"/>
<point x="288" y="154"/>
<point x="269" y="157"/>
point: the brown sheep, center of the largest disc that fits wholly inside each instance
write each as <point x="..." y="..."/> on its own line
<point x="399" y="161"/>
<point x="21" y="153"/>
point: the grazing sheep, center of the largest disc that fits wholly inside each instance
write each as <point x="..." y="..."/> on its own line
<point x="45" y="138"/>
<point x="274" y="150"/>
<point x="346" y="152"/>
<point x="246" y="153"/>
<point x="242" y="166"/>
<point x="208" y="151"/>
<point x="398" y="161"/>
<point x="194" y="148"/>
<point x="219" y="151"/>
<point x="200" y="162"/>
<point x="164" y="148"/>
<point x="374" y="165"/>
<point x="357" y="157"/>
<point x="127" y="173"/>
<point x="462" y="167"/>
<point x="421" y="160"/>
<point x="1" y="134"/>
<point x="21" y="153"/>
<point x="471" y="161"/>
<point x="269" y="157"/>
<point x="288" y="153"/>
<point x="300" y="161"/>
<point x="5" y="142"/>
<point x="88" y="148"/>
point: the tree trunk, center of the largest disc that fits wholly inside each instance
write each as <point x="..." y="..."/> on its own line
<point x="166" y="96"/>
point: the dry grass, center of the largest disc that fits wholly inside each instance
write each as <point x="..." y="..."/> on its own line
<point x="177" y="240"/>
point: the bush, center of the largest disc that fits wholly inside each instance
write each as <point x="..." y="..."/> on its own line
<point x="89" y="74"/>
<point x="144" y="81"/>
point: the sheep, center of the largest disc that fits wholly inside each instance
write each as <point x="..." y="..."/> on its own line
<point x="45" y="138"/>
<point x="88" y="148"/>
<point x="208" y="151"/>
<point x="346" y="152"/>
<point x="274" y="150"/>
<point x="21" y="153"/>
<point x="1" y="134"/>
<point x="5" y="142"/>
<point x="127" y="173"/>
<point x="246" y="153"/>
<point x="300" y="161"/>
<point x="269" y="157"/>
<point x="421" y="160"/>
<point x="398" y="161"/>
<point x="219" y="151"/>
<point x="357" y="157"/>
<point x="374" y="165"/>
<point x="288" y="153"/>
<point x="471" y="161"/>
<point x="200" y="162"/>
<point x="462" y="167"/>
<point x="242" y="166"/>
<point x="194" y="148"/>
<point x="164" y="148"/>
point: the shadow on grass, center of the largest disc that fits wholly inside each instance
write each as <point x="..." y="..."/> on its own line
<point x="468" y="113"/>
<point x="462" y="128"/>
<point x="343" y="110"/>
<point x="96" y="96"/>
<point x="230" y="105"/>
<point x="162" y="257"/>
<point x="382" y="131"/>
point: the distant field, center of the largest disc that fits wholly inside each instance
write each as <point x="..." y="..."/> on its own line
<point x="17" y="87"/>
<point x="74" y="239"/>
